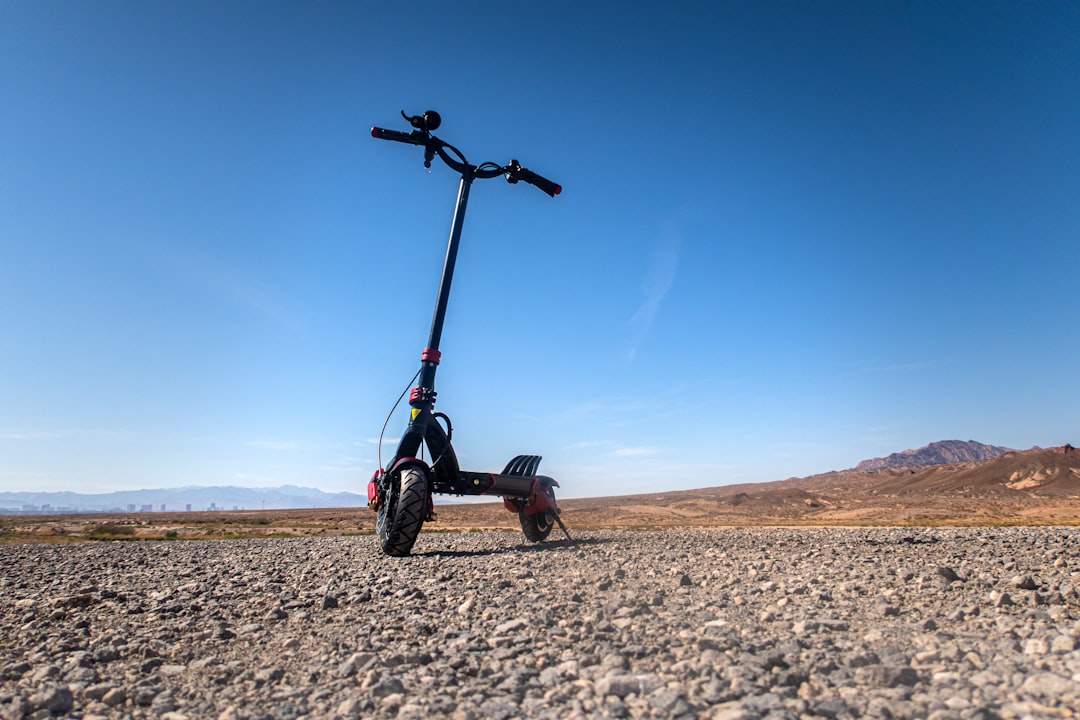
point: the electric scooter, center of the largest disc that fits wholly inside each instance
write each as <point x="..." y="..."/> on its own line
<point x="401" y="492"/>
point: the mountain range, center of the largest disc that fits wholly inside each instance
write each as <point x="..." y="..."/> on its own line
<point x="944" y="452"/>
<point x="957" y="468"/>
<point x="179" y="499"/>
<point x="1017" y="487"/>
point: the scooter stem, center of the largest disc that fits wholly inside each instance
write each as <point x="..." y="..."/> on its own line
<point x="451" y="261"/>
<point x="431" y="353"/>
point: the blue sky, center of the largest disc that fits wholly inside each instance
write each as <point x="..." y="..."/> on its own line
<point x="792" y="236"/>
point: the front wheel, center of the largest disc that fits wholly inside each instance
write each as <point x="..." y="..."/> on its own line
<point x="537" y="527"/>
<point x="402" y="513"/>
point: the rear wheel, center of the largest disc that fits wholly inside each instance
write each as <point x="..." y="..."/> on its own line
<point x="537" y="527"/>
<point x="402" y="513"/>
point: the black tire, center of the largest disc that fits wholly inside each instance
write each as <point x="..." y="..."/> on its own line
<point x="402" y="513"/>
<point x="537" y="527"/>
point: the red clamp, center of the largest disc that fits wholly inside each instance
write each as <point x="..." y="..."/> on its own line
<point x="430" y="355"/>
<point x="421" y="395"/>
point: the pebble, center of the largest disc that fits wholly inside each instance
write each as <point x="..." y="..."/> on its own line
<point x="739" y="624"/>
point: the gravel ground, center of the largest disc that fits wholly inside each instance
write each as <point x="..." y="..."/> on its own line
<point x="767" y="623"/>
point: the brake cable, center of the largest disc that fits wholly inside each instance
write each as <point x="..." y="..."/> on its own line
<point x="387" y="421"/>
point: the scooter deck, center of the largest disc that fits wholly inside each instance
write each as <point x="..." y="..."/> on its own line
<point x="517" y="480"/>
<point x="481" y="483"/>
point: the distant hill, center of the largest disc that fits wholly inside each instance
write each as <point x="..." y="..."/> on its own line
<point x="1032" y="486"/>
<point x="285" y="497"/>
<point x="944" y="452"/>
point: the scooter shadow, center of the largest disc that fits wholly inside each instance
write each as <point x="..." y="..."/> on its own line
<point x="521" y="548"/>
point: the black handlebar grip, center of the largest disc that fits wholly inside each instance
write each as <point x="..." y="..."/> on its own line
<point x="543" y="183"/>
<point x="395" y="135"/>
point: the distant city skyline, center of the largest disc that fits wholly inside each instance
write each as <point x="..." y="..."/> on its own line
<point x="189" y="499"/>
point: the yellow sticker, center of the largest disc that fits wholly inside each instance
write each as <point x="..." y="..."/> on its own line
<point x="415" y="412"/>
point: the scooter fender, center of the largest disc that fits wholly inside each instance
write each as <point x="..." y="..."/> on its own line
<point x="408" y="462"/>
<point x="539" y="500"/>
<point x="411" y="462"/>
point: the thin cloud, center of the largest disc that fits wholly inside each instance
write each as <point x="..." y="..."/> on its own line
<point x="223" y="281"/>
<point x="635" y="451"/>
<point x="609" y="448"/>
<point x="587" y="444"/>
<point x="27" y="435"/>
<point x="385" y="441"/>
<point x="99" y="435"/>
<point x="656" y="286"/>
<point x="614" y="406"/>
<point x="901" y="367"/>
<point x="273" y="444"/>
<point x="347" y="464"/>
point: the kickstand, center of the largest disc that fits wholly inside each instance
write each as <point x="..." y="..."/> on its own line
<point x="558" y="519"/>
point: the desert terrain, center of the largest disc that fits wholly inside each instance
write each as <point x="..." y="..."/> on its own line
<point x="948" y="592"/>
<point x="737" y="623"/>
<point x="1034" y="487"/>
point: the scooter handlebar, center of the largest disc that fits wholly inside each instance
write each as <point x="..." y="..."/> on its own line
<point x="412" y="138"/>
<point x="514" y="172"/>
<point x="543" y="183"/>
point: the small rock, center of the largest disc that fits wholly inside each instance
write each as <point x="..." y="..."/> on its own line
<point x="144" y="695"/>
<point x="268" y="676"/>
<point x="888" y="610"/>
<point x="669" y="703"/>
<point x="387" y="688"/>
<point x="947" y="574"/>
<point x="1063" y="644"/>
<point x="57" y="699"/>
<point x="162" y="703"/>
<point x="1036" y="646"/>
<point x="1049" y="685"/>
<point x="349" y="708"/>
<point x="1024" y="582"/>
<point x="621" y="684"/>
<point x="510" y="626"/>
<point x="864" y="660"/>
<point x="44" y="673"/>
<point x="96" y="692"/>
<point x="888" y="676"/>
<point x="732" y="711"/>
<point x="356" y="662"/>
<point x="115" y="696"/>
<point x="1003" y="600"/>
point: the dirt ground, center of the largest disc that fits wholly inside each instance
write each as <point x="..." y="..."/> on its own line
<point x="690" y="509"/>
